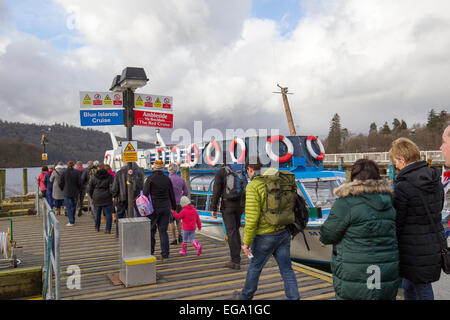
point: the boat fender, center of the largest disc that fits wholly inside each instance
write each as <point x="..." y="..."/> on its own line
<point x="241" y="144"/>
<point x="311" y="151"/>
<point x="273" y="156"/>
<point x="211" y="144"/>
<point x="178" y="160"/>
<point x="196" y="155"/>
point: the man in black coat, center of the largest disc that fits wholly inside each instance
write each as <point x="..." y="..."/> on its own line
<point x="232" y="211"/>
<point x="99" y="190"/>
<point x="71" y="185"/>
<point x="119" y="191"/>
<point x="419" y="247"/>
<point x="159" y="187"/>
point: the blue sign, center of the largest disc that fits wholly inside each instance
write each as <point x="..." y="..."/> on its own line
<point x="101" y="117"/>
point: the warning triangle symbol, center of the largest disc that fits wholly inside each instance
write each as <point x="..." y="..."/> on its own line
<point x="129" y="147"/>
<point x="139" y="99"/>
<point x="87" y="97"/>
<point x="157" y="100"/>
<point x="107" y="97"/>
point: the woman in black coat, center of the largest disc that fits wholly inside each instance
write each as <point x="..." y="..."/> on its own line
<point x="99" y="190"/>
<point x="419" y="247"/>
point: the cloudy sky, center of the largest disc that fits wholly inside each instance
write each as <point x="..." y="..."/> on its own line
<point x="221" y="60"/>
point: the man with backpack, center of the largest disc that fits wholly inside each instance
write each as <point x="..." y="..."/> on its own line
<point x="229" y="186"/>
<point x="269" y="207"/>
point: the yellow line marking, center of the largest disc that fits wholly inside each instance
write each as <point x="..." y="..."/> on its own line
<point x="321" y="296"/>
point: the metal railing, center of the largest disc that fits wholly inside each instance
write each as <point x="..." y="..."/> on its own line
<point x="52" y="270"/>
<point x="380" y="157"/>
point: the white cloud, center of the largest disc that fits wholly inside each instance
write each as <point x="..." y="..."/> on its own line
<point x="366" y="60"/>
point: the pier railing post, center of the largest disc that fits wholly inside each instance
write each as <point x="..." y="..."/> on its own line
<point x="25" y="181"/>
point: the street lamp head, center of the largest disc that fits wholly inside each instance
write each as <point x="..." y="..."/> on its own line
<point x="115" y="86"/>
<point x="133" y="78"/>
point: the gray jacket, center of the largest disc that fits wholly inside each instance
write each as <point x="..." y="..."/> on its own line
<point x="57" y="193"/>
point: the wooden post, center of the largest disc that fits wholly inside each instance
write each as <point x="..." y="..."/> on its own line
<point x="186" y="177"/>
<point x="25" y="181"/>
<point x="3" y="184"/>
<point x="287" y="109"/>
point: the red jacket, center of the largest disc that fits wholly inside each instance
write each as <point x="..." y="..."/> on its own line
<point x="190" y="218"/>
<point x="40" y="179"/>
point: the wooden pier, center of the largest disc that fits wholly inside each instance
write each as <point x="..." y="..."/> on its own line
<point x="191" y="277"/>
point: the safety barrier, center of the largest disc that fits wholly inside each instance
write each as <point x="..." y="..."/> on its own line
<point x="51" y="270"/>
<point x="379" y="157"/>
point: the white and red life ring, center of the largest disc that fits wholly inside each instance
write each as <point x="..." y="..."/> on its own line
<point x="163" y="155"/>
<point x="241" y="144"/>
<point x="196" y="155"/>
<point x="311" y="151"/>
<point x="216" y="146"/>
<point x="273" y="156"/>
<point x="178" y="160"/>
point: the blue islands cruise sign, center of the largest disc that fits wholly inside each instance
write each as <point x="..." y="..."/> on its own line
<point x="101" y="117"/>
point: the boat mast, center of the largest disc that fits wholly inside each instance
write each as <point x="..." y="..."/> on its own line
<point x="284" y="92"/>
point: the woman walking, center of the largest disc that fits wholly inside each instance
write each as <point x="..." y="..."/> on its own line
<point x="417" y="187"/>
<point x="361" y="227"/>
<point x="99" y="189"/>
<point x="58" y="193"/>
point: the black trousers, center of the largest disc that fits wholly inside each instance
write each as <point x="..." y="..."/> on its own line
<point x="232" y="220"/>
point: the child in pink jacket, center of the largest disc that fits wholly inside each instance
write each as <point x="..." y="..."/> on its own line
<point x="189" y="221"/>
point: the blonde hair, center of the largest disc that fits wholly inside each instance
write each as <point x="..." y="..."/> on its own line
<point x="405" y="149"/>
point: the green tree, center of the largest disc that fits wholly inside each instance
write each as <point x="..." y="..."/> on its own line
<point x="373" y="128"/>
<point x="433" y="120"/>
<point x="385" y="129"/>
<point x="334" y="139"/>
<point x="403" y="125"/>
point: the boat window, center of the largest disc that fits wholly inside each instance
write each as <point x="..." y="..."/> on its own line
<point x="199" y="201"/>
<point x="321" y="192"/>
<point x="201" y="183"/>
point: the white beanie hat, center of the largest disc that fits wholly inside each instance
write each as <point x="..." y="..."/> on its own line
<point x="184" y="201"/>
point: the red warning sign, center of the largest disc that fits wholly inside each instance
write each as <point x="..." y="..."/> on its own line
<point x="117" y="99"/>
<point x="153" y="119"/>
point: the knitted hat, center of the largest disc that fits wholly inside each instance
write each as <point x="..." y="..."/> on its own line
<point x="158" y="165"/>
<point x="184" y="201"/>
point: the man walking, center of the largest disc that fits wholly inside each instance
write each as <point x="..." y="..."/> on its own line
<point x="159" y="187"/>
<point x="232" y="210"/>
<point x="261" y="239"/>
<point x="70" y="184"/>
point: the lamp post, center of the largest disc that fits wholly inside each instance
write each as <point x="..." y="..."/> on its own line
<point x="413" y="132"/>
<point x="44" y="141"/>
<point x="131" y="79"/>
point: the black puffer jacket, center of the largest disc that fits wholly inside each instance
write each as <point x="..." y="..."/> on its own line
<point x="99" y="188"/>
<point x="419" y="249"/>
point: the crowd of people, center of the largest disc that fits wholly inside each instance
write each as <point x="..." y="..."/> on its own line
<point x="392" y="227"/>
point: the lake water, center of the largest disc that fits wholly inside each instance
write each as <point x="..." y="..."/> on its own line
<point x="14" y="180"/>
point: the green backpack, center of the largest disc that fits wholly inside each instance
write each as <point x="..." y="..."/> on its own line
<point x="280" y="198"/>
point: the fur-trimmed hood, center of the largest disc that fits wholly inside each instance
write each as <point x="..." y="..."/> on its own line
<point x="358" y="187"/>
<point x="375" y="193"/>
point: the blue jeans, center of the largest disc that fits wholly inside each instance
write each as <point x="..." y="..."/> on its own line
<point x="160" y="218"/>
<point x="98" y="214"/>
<point x="263" y="248"/>
<point x="188" y="236"/>
<point x="417" y="291"/>
<point x="71" y="204"/>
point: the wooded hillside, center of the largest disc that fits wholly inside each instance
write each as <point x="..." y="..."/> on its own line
<point x="65" y="143"/>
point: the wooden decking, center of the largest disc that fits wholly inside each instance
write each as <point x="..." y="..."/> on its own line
<point x="191" y="277"/>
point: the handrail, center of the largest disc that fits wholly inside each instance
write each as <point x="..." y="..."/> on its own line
<point x="51" y="250"/>
<point x="382" y="157"/>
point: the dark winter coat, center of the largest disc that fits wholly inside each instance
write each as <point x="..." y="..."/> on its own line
<point x="159" y="186"/>
<point x="119" y="188"/>
<point x="361" y="228"/>
<point x="71" y="183"/>
<point x="420" y="260"/>
<point x="218" y="190"/>
<point x="99" y="188"/>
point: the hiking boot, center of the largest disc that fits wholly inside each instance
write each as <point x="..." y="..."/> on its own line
<point x="107" y="231"/>
<point x="174" y="242"/>
<point x="80" y="213"/>
<point x="233" y="265"/>
<point x="180" y="239"/>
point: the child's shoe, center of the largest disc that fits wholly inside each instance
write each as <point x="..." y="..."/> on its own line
<point x="183" y="250"/>
<point x="197" y="246"/>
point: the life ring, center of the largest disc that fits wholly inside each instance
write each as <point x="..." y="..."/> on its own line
<point x="214" y="144"/>
<point x="241" y="144"/>
<point x="273" y="156"/>
<point x="163" y="155"/>
<point x="107" y="157"/>
<point x="311" y="151"/>
<point x="196" y="155"/>
<point x="175" y="148"/>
